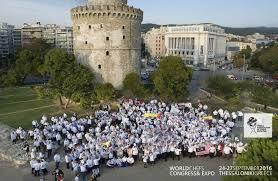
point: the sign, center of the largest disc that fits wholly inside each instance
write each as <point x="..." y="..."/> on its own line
<point x="208" y="118"/>
<point x="152" y="115"/>
<point x="258" y="125"/>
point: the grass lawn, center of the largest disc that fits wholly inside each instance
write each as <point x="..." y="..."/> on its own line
<point x="20" y="106"/>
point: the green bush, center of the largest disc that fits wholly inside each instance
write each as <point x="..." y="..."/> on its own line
<point x="171" y="79"/>
<point x="104" y="92"/>
<point x="223" y="86"/>
<point x="133" y="84"/>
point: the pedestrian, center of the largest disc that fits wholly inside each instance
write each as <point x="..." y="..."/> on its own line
<point x="57" y="160"/>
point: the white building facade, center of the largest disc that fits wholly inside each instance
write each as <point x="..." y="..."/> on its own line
<point x="200" y="45"/>
<point x="6" y="43"/>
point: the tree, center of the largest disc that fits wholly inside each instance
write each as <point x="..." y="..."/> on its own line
<point x="238" y="61"/>
<point x="104" y="92"/>
<point x="30" y="58"/>
<point x="266" y="59"/>
<point x="238" y="58"/>
<point x="247" y="52"/>
<point x="10" y="79"/>
<point x="66" y="77"/>
<point x="269" y="60"/>
<point x="133" y="83"/>
<point x="261" y="152"/>
<point x="172" y="78"/>
<point x="262" y="95"/>
<point x="222" y="86"/>
<point x="25" y="64"/>
<point x="78" y="81"/>
<point x="56" y="67"/>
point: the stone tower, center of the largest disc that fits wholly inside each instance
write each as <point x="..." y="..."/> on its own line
<point x="107" y="38"/>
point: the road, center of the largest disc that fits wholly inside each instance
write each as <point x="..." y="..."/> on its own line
<point x="158" y="172"/>
<point x="199" y="77"/>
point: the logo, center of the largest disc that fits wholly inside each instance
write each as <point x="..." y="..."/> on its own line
<point x="258" y="125"/>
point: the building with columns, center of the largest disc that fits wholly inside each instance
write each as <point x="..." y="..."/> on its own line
<point x="201" y="44"/>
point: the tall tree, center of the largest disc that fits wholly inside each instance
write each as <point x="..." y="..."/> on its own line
<point x="133" y="83"/>
<point x="78" y="81"/>
<point x="57" y="67"/>
<point x="172" y="78"/>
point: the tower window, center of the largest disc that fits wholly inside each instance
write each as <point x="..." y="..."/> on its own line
<point x="86" y="42"/>
<point x="99" y="66"/>
<point x="101" y="26"/>
<point x="90" y="27"/>
<point x="107" y="53"/>
<point x="124" y="37"/>
<point x="107" y="38"/>
<point x="123" y="27"/>
<point x="78" y="27"/>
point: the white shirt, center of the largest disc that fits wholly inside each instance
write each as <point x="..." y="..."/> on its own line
<point x="57" y="158"/>
<point x="134" y="151"/>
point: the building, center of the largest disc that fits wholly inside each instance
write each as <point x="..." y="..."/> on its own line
<point x="200" y="45"/>
<point x="49" y="34"/>
<point x="59" y="36"/>
<point x="30" y="32"/>
<point x="232" y="37"/>
<point x="242" y="45"/>
<point x="6" y="43"/>
<point x="258" y="39"/>
<point x="64" y="38"/>
<point x="17" y="44"/>
<point x="107" y="39"/>
<point x="155" y="41"/>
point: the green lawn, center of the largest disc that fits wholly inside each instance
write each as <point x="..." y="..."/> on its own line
<point x="19" y="106"/>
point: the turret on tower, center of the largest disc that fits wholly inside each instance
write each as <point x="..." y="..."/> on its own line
<point x="107" y="2"/>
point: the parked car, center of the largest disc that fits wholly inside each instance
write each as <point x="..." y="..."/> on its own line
<point x="258" y="78"/>
<point x="231" y="77"/>
<point x="275" y="77"/>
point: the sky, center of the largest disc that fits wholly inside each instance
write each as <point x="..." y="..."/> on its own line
<point x="232" y="13"/>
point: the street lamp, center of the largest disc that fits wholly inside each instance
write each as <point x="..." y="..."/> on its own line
<point x="243" y="69"/>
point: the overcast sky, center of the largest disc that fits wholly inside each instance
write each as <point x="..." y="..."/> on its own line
<point x="235" y="13"/>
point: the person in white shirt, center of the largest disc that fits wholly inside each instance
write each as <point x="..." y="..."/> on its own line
<point x="83" y="171"/>
<point x="76" y="178"/>
<point x="212" y="151"/>
<point x="152" y="158"/>
<point x="32" y="164"/>
<point x="130" y="161"/>
<point x="44" y="166"/>
<point x="13" y="137"/>
<point x="49" y="148"/>
<point x="135" y="152"/>
<point x="57" y="159"/>
<point x="178" y="153"/>
<point x="240" y="148"/>
<point x="58" y="138"/>
<point x="145" y="160"/>
<point x="68" y="160"/>
<point x="227" y="151"/>
<point x="37" y="166"/>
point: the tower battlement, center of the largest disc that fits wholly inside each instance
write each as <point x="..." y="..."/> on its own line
<point x="107" y="2"/>
<point x="113" y="11"/>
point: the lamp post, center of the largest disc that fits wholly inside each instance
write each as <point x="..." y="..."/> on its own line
<point x="243" y="69"/>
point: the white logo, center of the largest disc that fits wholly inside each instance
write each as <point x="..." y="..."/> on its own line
<point x="258" y="125"/>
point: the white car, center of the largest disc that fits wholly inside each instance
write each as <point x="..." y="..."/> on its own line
<point x="231" y="77"/>
<point x="258" y="78"/>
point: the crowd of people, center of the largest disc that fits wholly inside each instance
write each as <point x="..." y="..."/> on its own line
<point x="138" y="131"/>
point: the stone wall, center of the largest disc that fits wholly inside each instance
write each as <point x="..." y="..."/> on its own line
<point x="107" y="38"/>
